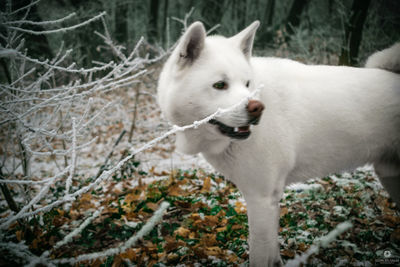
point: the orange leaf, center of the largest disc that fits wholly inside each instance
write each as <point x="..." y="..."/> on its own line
<point x="182" y="232"/>
<point x="192" y="235"/>
<point x="135" y="196"/>
<point x="221" y="229"/>
<point x="128" y="254"/>
<point x="240" y="208"/>
<point x="19" y="235"/>
<point x="288" y="253"/>
<point x="86" y="197"/>
<point x="34" y="244"/>
<point x="303" y="247"/>
<point x="195" y="216"/>
<point x="117" y="261"/>
<point x="97" y="263"/>
<point x="210" y="220"/>
<point x="208" y="240"/>
<point x="233" y="258"/>
<point x="213" y="251"/>
<point x="206" y="185"/>
<point x="176" y="191"/>
<point x="284" y="211"/>
<point x="237" y="227"/>
<point x="152" y="206"/>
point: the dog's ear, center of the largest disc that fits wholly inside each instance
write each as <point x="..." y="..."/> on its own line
<point x="191" y="44"/>
<point x="245" y="38"/>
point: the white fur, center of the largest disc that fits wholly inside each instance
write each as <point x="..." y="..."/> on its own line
<point x="388" y="59"/>
<point x="317" y="120"/>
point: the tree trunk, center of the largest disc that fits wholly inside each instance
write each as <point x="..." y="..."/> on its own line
<point x="293" y="19"/>
<point x="153" y="29"/>
<point x="164" y="34"/>
<point x="7" y="195"/>
<point x="121" y="22"/>
<point x="353" y="33"/>
<point x="266" y="32"/>
<point x="269" y="12"/>
<point x="212" y="11"/>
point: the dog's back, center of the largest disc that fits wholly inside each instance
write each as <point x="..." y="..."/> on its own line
<point x="388" y="59"/>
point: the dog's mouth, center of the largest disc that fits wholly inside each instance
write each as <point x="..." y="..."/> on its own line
<point x="241" y="132"/>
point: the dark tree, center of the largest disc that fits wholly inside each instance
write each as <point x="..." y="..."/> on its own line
<point x="269" y="12"/>
<point x="153" y="23"/>
<point x="266" y="32"/>
<point x="353" y="33"/>
<point x="165" y="17"/>
<point x="212" y="12"/>
<point x="121" y="22"/>
<point x="330" y="7"/>
<point x="293" y="19"/>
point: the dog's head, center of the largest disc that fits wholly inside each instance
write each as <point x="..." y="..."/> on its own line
<point x="206" y="73"/>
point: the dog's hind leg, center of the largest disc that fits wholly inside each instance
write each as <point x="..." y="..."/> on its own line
<point x="389" y="175"/>
<point x="392" y="185"/>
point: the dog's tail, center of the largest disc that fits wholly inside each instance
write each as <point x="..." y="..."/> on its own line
<point x="387" y="59"/>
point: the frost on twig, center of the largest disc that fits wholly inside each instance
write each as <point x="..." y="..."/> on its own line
<point x="49" y="111"/>
<point x="53" y="120"/>
<point x="157" y="216"/>
<point x="321" y="242"/>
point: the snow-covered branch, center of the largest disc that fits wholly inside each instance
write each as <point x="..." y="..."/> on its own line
<point x="57" y="21"/>
<point x="64" y="29"/>
<point x="51" y="111"/>
<point x="156" y="218"/>
<point x="321" y="242"/>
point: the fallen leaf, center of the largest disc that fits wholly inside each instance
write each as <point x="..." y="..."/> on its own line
<point x="208" y="240"/>
<point x="129" y="254"/>
<point x="206" y="185"/>
<point x="303" y="247"/>
<point x="240" y="208"/>
<point x="183" y="232"/>
<point x="117" y="261"/>
<point x="288" y="253"/>
<point x="221" y="229"/>
<point x="284" y="211"/>
<point x="19" y="235"/>
<point x="213" y="251"/>
<point x="152" y="206"/>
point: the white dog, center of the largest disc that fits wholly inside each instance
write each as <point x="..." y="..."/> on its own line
<point x="315" y="120"/>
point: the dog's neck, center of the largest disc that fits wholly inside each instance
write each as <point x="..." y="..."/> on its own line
<point x="193" y="141"/>
<point x="220" y="153"/>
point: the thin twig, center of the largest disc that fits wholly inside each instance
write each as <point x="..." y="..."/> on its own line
<point x="133" y="125"/>
<point x="104" y="166"/>
<point x="58" y="30"/>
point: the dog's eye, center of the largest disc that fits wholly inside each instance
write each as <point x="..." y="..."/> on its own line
<point x="248" y="84"/>
<point x="221" y="85"/>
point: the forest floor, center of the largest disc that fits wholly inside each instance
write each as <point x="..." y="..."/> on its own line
<point x="206" y="223"/>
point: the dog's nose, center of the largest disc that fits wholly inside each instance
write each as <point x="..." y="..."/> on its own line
<point x="255" y="108"/>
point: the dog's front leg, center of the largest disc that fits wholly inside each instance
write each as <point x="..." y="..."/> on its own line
<point x="263" y="216"/>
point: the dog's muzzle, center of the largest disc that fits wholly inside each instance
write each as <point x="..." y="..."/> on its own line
<point x="254" y="110"/>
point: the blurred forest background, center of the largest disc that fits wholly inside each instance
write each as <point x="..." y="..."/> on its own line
<point x="324" y="31"/>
